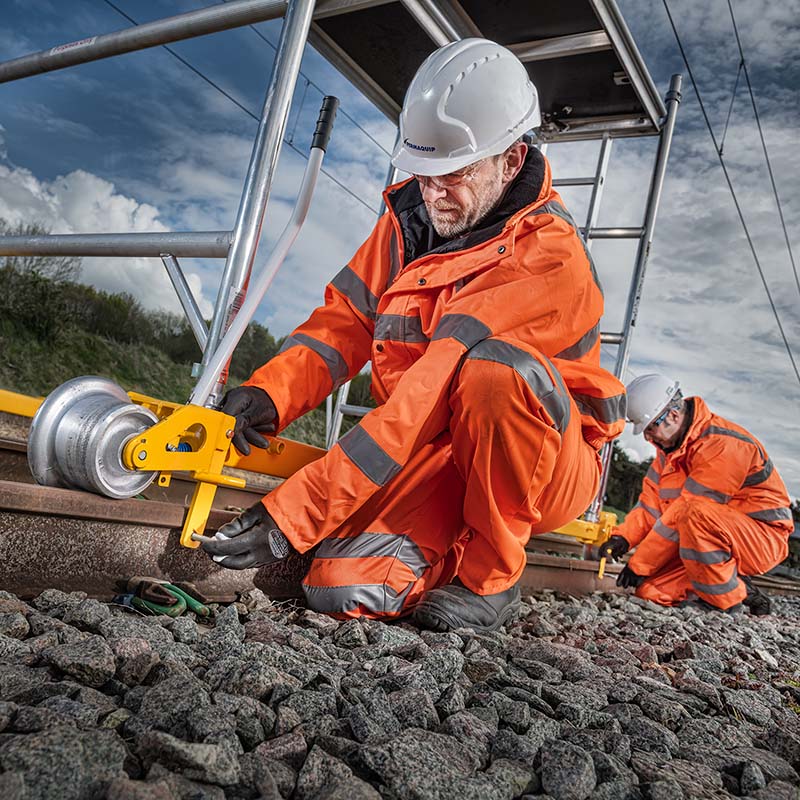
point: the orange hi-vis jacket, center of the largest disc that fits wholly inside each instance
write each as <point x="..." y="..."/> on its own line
<point x="718" y="462"/>
<point x="414" y="311"/>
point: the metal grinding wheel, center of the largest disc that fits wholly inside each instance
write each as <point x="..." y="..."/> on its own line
<point x="77" y="437"/>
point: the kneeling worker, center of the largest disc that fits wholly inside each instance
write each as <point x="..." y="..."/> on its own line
<point x="476" y="302"/>
<point x="713" y="510"/>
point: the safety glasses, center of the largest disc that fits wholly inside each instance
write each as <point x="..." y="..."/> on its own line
<point x="451" y="179"/>
<point x="656" y="422"/>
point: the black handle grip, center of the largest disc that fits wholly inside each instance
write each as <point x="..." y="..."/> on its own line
<point x="324" y="129"/>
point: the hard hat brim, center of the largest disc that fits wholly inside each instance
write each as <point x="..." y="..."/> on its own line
<point x="638" y="427"/>
<point x="430" y="166"/>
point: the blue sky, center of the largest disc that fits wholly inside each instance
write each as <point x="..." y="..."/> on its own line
<point x="140" y="143"/>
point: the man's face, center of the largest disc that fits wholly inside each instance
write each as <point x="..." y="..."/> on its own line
<point x="457" y="202"/>
<point x="664" y="433"/>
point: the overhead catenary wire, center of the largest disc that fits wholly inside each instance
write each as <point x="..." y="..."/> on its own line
<point x="244" y="108"/>
<point x="732" y="190"/>
<point x="764" y="145"/>
<point x="323" y="92"/>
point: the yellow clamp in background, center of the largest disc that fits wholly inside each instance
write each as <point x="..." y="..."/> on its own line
<point x="592" y="533"/>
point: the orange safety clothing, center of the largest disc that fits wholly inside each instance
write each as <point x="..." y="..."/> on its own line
<point x="511" y="311"/>
<point x="710" y="510"/>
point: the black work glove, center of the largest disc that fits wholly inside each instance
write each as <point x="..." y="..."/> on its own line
<point x="627" y="578"/>
<point x="254" y="412"/>
<point x="614" y="548"/>
<point x="253" y="539"/>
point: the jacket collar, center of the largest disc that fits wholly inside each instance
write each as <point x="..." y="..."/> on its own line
<point x="701" y="418"/>
<point x="419" y="238"/>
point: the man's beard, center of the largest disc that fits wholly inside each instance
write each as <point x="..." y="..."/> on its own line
<point x="485" y="196"/>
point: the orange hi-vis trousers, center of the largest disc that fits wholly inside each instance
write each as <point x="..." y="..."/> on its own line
<point x="713" y="544"/>
<point x="513" y="463"/>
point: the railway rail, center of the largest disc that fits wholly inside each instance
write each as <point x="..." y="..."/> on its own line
<point x="78" y="541"/>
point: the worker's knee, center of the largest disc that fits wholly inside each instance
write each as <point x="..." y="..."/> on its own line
<point x="498" y="378"/>
<point x="699" y="520"/>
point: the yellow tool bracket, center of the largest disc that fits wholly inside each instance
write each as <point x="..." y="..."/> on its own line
<point x="197" y="440"/>
<point x="592" y="533"/>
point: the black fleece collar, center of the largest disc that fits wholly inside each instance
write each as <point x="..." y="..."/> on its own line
<point x="419" y="237"/>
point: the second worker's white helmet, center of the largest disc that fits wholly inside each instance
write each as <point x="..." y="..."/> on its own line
<point x="468" y="100"/>
<point x="648" y="396"/>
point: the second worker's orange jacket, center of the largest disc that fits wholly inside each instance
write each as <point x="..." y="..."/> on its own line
<point x="413" y="307"/>
<point x="717" y="461"/>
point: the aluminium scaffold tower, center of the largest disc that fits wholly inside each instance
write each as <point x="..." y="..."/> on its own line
<point x="592" y="84"/>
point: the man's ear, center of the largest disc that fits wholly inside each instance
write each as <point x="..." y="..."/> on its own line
<point x="513" y="161"/>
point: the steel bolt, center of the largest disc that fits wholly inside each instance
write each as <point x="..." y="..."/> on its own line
<point x="229" y="434"/>
<point x="142" y="455"/>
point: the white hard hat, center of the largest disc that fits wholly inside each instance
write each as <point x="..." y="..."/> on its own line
<point x="469" y="100"/>
<point x="648" y="396"/>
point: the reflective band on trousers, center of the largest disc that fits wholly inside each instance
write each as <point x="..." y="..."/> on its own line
<point x="704" y="556"/>
<point x="582" y="346"/>
<point x="693" y="487"/>
<point x="605" y="409"/>
<point x="668" y="533"/>
<point x="356" y="291"/>
<point x="719" y="588"/>
<point x="771" y="514"/>
<point x="532" y="371"/>
<point x="369" y="456"/>
<point x="333" y="359"/>
<point x="461" y="327"/>
<point x="377" y="598"/>
<point x="376" y="545"/>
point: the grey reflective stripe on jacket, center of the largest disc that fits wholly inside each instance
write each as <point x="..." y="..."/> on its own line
<point x="554" y="398"/>
<point x="760" y="476"/>
<point x="604" y="409"/>
<point x="671" y="534"/>
<point x="398" y="328"/>
<point x="369" y="456"/>
<point x="694" y="487"/>
<point x="333" y="359"/>
<point x="582" y="346"/>
<point x="461" y="327"/>
<point x="356" y="291"/>
<point x="771" y="514"/>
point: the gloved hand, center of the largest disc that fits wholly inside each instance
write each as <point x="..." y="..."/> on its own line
<point x="254" y="412"/>
<point x="614" y="548"/>
<point x="253" y="539"/>
<point x="627" y="578"/>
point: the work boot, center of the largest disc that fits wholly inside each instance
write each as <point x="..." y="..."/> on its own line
<point x="702" y="605"/>
<point x="757" y="601"/>
<point x="455" y="606"/>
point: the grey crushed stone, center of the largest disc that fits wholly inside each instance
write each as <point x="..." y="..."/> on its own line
<point x="604" y="698"/>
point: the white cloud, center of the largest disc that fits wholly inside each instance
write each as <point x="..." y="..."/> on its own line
<point x="81" y="202"/>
